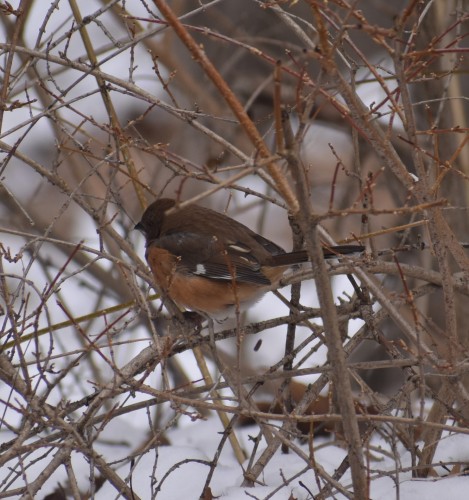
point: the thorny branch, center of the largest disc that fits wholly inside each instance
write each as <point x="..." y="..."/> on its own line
<point x="230" y="104"/>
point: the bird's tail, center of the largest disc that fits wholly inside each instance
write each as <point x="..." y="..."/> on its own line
<point x="288" y="259"/>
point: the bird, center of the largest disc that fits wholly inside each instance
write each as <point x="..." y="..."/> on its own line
<point x="212" y="264"/>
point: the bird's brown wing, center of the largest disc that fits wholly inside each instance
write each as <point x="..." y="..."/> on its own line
<point x="204" y="255"/>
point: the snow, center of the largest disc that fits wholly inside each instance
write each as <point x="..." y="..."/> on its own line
<point x="180" y="470"/>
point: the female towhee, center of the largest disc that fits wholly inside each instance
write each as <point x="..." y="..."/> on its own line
<point x="210" y="263"/>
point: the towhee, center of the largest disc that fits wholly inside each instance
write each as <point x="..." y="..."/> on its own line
<point x="210" y="263"/>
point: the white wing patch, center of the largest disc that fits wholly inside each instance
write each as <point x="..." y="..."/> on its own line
<point x="238" y="248"/>
<point x="200" y="270"/>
